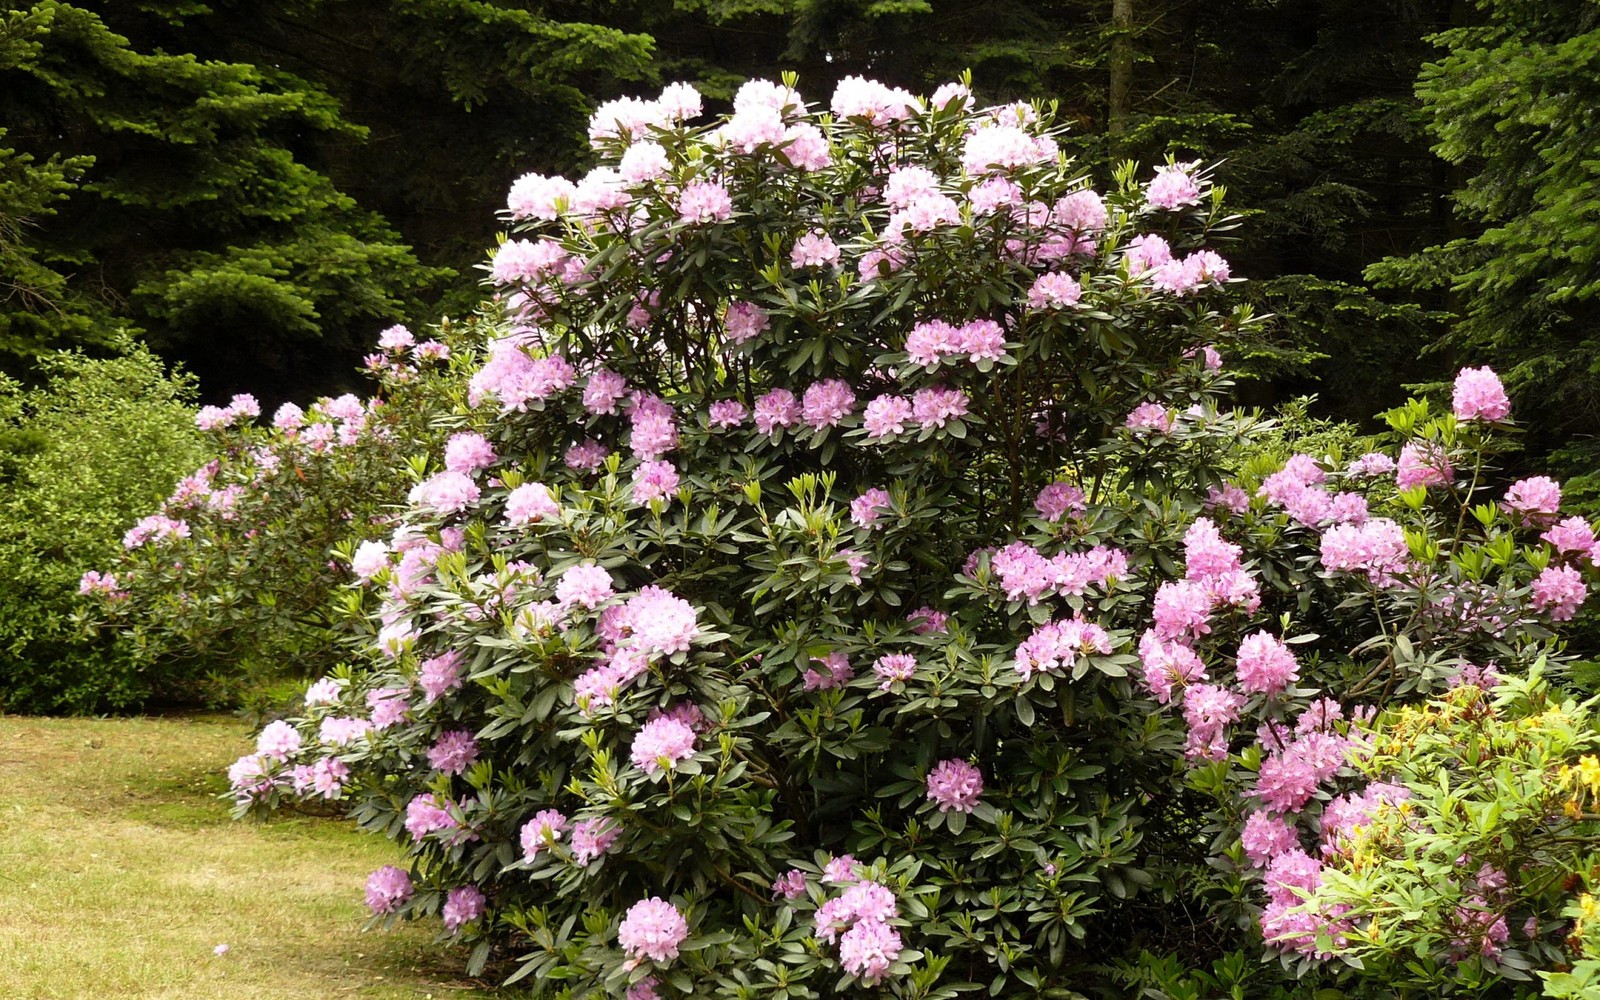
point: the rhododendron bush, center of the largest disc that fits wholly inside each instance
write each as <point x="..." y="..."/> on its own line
<point x="844" y="577"/>
<point x="233" y="579"/>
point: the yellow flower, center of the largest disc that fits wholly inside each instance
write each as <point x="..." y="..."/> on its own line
<point x="1589" y="772"/>
<point x="1372" y="930"/>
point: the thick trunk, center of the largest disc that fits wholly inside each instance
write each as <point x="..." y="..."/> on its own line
<point x="1121" y="66"/>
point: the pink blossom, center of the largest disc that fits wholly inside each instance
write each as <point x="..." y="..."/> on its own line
<point x="535" y="196"/>
<point x="827" y="403"/>
<point x="1422" y="463"/>
<point x="1208" y="709"/>
<point x="1206" y="553"/>
<point x="1004" y="148"/>
<point x="777" y="408"/>
<point x="1537" y="499"/>
<point x="453" y="752"/>
<point x="660" y="621"/>
<point x="278" y="740"/>
<point x="894" y="667"/>
<point x="544" y="829"/>
<point x="1266" y="836"/>
<point x="704" y="201"/>
<point x="467" y="452"/>
<point x="1182" y="610"/>
<point x="653" y="928"/>
<point x="1571" y="536"/>
<point x="591" y="838"/>
<point x="725" y="413"/>
<point x="840" y="869"/>
<point x="653" y="425"/>
<point x="605" y="389"/>
<point x="1173" y="187"/>
<point x="369" y="560"/>
<point x="866" y="508"/>
<point x="654" y="481"/>
<point x="744" y="320"/>
<point x="1057" y="500"/>
<point x="937" y="405"/>
<point x="950" y="95"/>
<point x="814" y="249"/>
<point x="955" y="784"/>
<point x="1054" y="291"/>
<point x="388" y="889"/>
<point x="1479" y="395"/>
<point x="439" y="675"/>
<point x="585" y="456"/>
<point x="1168" y="664"/>
<point x="868" y="949"/>
<point x="679" y="102"/>
<point x="805" y="147"/>
<point x="925" y="621"/>
<point x="1150" y="416"/>
<point x="425" y="814"/>
<point x="790" y="885"/>
<point x="1376" y="547"/>
<point x="1055" y="647"/>
<point x="907" y="184"/>
<point x="388" y="706"/>
<point x="1559" y="590"/>
<point x="1147" y="253"/>
<point x="529" y="503"/>
<point x="835" y="672"/>
<point x="886" y="416"/>
<point x="462" y="905"/>
<point x="1265" y="664"/>
<point x="870" y="101"/>
<point x="643" y="162"/>
<point x="585" y="585"/>
<point x="660" y="744"/>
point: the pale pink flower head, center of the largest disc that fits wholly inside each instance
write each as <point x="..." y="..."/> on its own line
<point x="1373" y="463"/>
<point x="1537" y="499"/>
<point x="462" y="905"/>
<point x="1057" y="500"/>
<point x="834" y="673"/>
<point x="1265" y="664"/>
<point x="654" y="481"/>
<point x="1173" y="187"/>
<point x="1479" y="395"/>
<point x="535" y="196"/>
<point x="369" y="560"/>
<point x="585" y="456"/>
<point x="530" y="503"/>
<point x="1266" y="836"/>
<point x="1573" y="536"/>
<point x="604" y="391"/>
<point x="868" y="949"/>
<point x="643" y="162"/>
<point x="1054" y="291"/>
<point x="453" y="752"/>
<point x="1146" y="253"/>
<point x="703" y="202"/>
<point x="827" y="403"/>
<point x="744" y="320"/>
<point x="1422" y="463"/>
<point x="955" y="785"/>
<point x="653" y="928"/>
<point x="439" y="675"/>
<point x="388" y="889"/>
<point x="937" y="405"/>
<point x="726" y="413"/>
<point x="278" y="740"/>
<point x="907" y="184"/>
<point x="585" y="585"/>
<point x="592" y="838"/>
<point x="468" y="451"/>
<point x="866" y="508"/>
<point x="679" y="102"/>
<point x="1559" y="590"/>
<point x="925" y="621"/>
<point x="544" y="829"/>
<point x="1004" y="148"/>
<point x="661" y="743"/>
<point x="886" y="416"/>
<point x="1150" y="417"/>
<point x="790" y="885"/>
<point x="894" y="667"/>
<point x="868" y="100"/>
<point x="840" y="869"/>
<point x="776" y="409"/>
<point x="814" y="249"/>
<point x="951" y="95"/>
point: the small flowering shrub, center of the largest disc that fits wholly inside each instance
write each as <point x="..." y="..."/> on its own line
<point x="234" y="575"/>
<point x="100" y="440"/>
<point x="847" y="580"/>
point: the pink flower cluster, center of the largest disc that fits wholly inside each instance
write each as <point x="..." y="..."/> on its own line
<point x="1480" y="396"/>
<point x="543" y="830"/>
<point x="653" y="928"/>
<point x="1026" y="574"/>
<point x="858" y="920"/>
<point x="933" y="341"/>
<point x="661" y="743"/>
<point x="955" y="785"/>
<point x="1054" y="648"/>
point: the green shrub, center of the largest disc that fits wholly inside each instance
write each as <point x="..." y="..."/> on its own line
<point x="97" y="442"/>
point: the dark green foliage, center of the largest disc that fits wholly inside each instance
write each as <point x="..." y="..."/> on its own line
<point x="192" y="213"/>
<point x="1511" y="106"/>
<point x="80" y="457"/>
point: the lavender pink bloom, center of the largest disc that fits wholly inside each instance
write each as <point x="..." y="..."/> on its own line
<point x="955" y="785"/>
<point x="1479" y="395"/>
<point x="653" y="928"/>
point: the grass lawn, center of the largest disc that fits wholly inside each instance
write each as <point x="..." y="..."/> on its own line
<point x="120" y="873"/>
